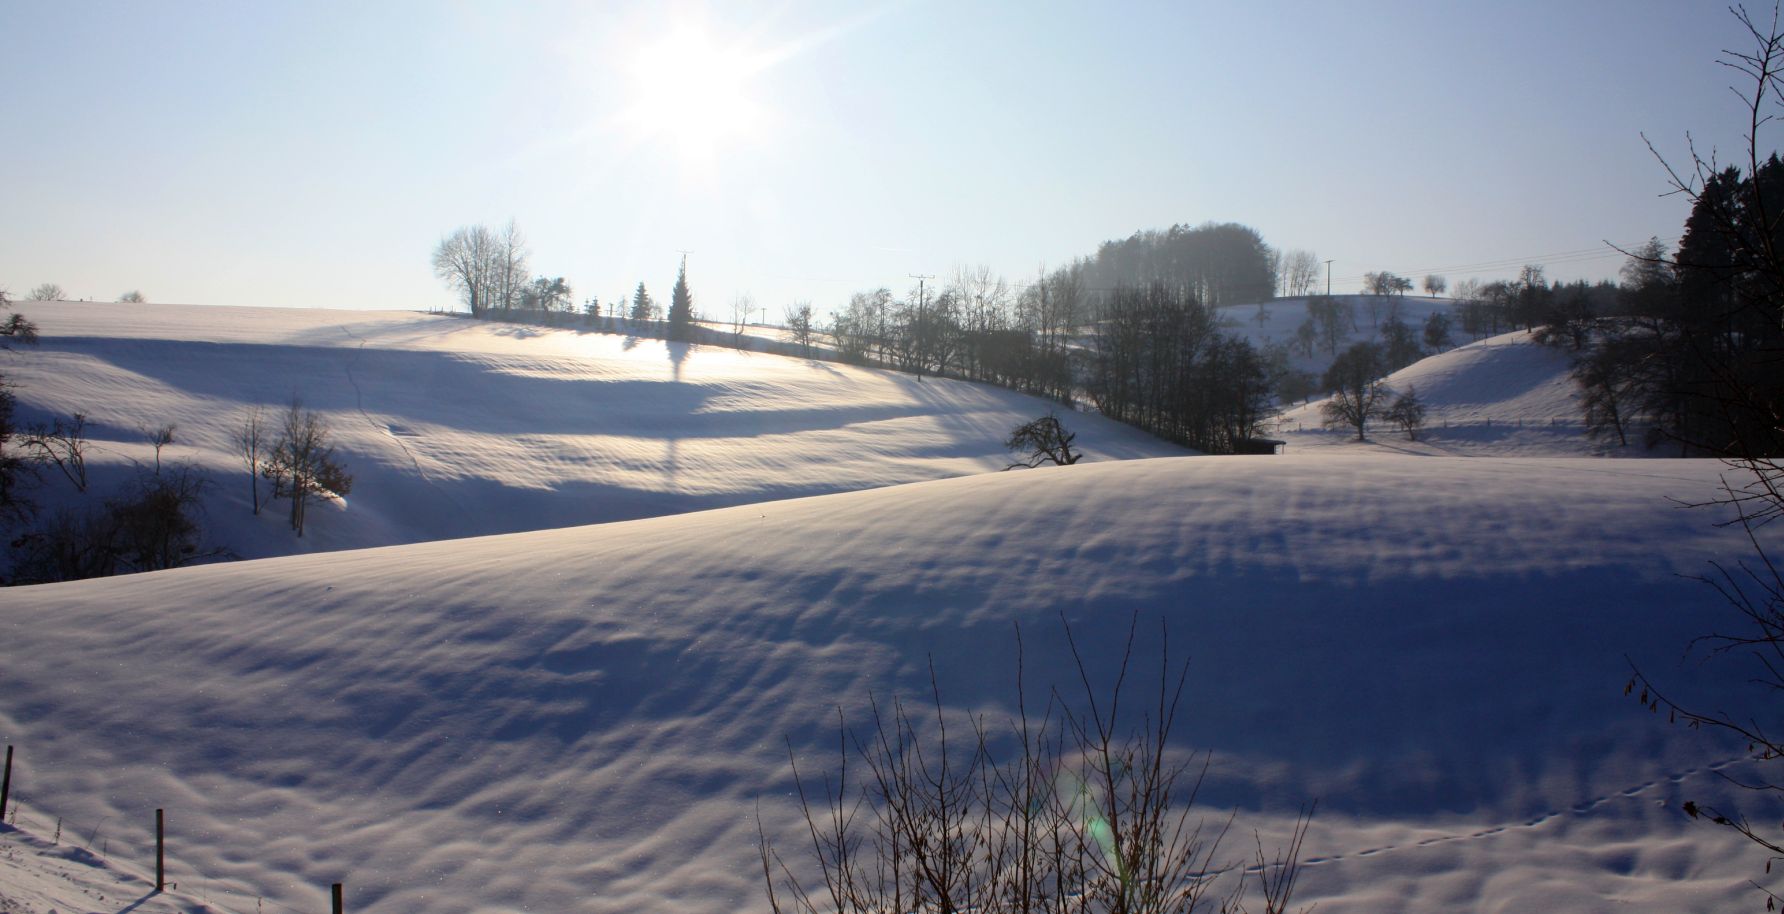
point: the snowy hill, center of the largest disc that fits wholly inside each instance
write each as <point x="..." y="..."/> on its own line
<point x="457" y="428"/>
<point x="588" y="719"/>
<point x="1503" y="396"/>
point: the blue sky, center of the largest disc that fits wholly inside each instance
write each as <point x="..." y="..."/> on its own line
<point x="314" y="153"/>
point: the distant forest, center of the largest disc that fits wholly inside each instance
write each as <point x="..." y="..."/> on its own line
<point x="1218" y="263"/>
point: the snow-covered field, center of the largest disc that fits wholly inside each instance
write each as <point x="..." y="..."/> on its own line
<point x="590" y="718"/>
<point x="458" y="428"/>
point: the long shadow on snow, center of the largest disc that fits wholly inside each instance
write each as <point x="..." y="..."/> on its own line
<point x="456" y="391"/>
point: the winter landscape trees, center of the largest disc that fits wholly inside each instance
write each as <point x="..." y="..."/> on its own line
<point x="1162" y="364"/>
<point x="302" y="464"/>
<point x="1700" y="350"/>
<point x="1043" y="440"/>
<point x="681" y="305"/>
<point x="1355" y="381"/>
<point x="487" y="269"/>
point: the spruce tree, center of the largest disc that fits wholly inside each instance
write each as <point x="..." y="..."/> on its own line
<point x="681" y="305"/>
<point x="642" y="306"/>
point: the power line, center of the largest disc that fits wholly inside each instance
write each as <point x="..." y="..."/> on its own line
<point x="1583" y="255"/>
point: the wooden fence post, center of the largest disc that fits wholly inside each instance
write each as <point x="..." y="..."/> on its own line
<point x="6" y="784"/>
<point x="160" y="851"/>
<point x="337" y="898"/>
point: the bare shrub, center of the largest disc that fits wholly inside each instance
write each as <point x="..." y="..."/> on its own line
<point x="1078" y="811"/>
<point x="62" y="443"/>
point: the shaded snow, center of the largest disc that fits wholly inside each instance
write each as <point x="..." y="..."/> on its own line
<point x="455" y="428"/>
<point x="589" y="718"/>
<point x="586" y="719"/>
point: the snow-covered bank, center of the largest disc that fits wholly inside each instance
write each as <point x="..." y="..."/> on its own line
<point x="587" y="719"/>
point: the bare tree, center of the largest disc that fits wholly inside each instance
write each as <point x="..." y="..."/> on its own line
<point x="1301" y="273"/>
<point x="798" y="319"/>
<point x="63" y="444"/>
<point x="469" y="260"/>
<point x="1435" y="284"/>
<point x="48" y="291"/>
<point x="133" y="296"/>
<point x="741" y="306"/>
<point x="250" y="443"/>
<point x="511" y="267"/>
<point x="1611" y="379"/>
<point x="1355" y="381"/>
<point x="1408" y="412"/>
<point x="1043" y="440"/>
<point x="302" y="463"/>
<point x="156" y="522"/>
<point x="1332" y="317"/>
<point x="159" y="437"/>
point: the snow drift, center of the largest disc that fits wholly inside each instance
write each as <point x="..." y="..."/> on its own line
<point x="589" y="719"/>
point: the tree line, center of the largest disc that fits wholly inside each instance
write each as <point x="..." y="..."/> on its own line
<point x="1161" y="363"/>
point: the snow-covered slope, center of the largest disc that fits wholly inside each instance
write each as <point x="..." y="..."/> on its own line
<point x="1503" y="396"/>
<point x="588" y="719"/>
<point x="460" y="428"/>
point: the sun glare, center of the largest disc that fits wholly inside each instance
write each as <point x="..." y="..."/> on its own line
<point x="691" y="94"/>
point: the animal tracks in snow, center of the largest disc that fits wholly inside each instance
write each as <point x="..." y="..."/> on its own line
<point x="1581" y="808"/>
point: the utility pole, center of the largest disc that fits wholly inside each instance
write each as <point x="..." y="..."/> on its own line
<point x="1328" y="279"/>
<point x="921" y="279"/>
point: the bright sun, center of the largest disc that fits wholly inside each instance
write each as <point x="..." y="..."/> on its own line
<point x="690" y="93"/>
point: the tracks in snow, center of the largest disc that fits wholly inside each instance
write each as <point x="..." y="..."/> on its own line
<point x="1581" y="808"/>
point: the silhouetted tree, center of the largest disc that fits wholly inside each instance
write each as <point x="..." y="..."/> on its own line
<point x="156" y="521"/>
<point x="1401" y="344"/>
<point x="644" y="309"/>
<point x="1722" y="344"/>
<point x="681" y="305"/>
<point x="1162" y="364"/>
<point x="133" y="297"/>
<point x="798" y="318"/>
<point x="1612" y="378"/>
<point x="1434" y="285"/>
<point x="547" y="294"/>
<point x="1437" y="331"/>
<point x="1354" y="379"/>
<point x="1408" y="412"/>
<point x="159" y="437"/>
<point x="14" y="507"/>
<point x="48" y="291"/>
<point x="250" y="444"/>
<point x="64" y="444"/>
<point x="1043" y="440"/>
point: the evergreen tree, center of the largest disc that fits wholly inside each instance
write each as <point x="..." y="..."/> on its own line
<point x="681" y="305"/>
<point x="643" y="309"/>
